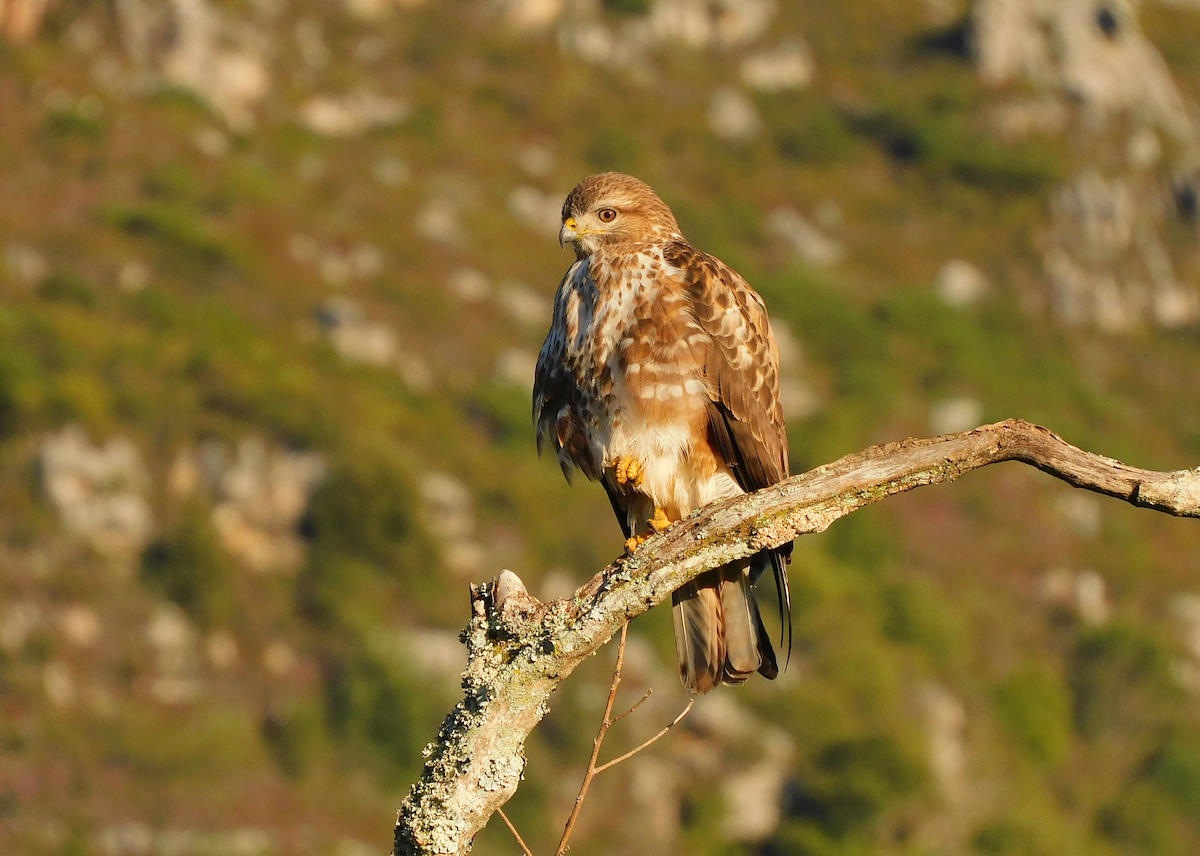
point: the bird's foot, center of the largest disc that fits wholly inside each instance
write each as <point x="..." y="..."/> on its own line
<point x="628" y="470"/>
<point x="631" y="544"/>
<point x="657" y="523"/>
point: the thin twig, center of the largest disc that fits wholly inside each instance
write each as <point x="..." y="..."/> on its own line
<point x="633" y="752"/>
<point x="604" y="725"/>
<point x="524" y="847"/>
<point x="640" y="702"/>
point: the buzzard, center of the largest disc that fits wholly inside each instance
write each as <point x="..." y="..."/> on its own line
<point x="659" y="378"/>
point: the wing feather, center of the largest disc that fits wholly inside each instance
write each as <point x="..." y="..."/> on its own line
<point x="745" y="416"/>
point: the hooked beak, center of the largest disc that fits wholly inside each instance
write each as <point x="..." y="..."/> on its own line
<point x="569" y="233"/>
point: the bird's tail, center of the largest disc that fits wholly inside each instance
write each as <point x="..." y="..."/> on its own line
<point x="719" y="633"/>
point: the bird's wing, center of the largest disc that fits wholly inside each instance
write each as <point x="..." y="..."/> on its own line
<point x="558" y="402"/>
<point x="741" y="369"/>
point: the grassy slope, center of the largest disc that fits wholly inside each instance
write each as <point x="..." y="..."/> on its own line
<point x="1079" y="741"/>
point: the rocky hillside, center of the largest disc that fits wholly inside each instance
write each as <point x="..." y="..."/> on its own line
<point x="273" y="274"/>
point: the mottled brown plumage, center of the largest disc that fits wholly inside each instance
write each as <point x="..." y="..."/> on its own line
<point x="660" y="379"/>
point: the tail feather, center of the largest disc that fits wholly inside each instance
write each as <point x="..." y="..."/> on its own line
<point x="699" y="635"/>
<point x="720" y="637"/>
<point x="742" y="657"/>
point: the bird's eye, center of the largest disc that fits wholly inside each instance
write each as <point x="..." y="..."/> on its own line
<point x="607" y="215"/>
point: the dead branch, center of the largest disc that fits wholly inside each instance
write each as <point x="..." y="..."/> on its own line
<point x="520" y="649"/>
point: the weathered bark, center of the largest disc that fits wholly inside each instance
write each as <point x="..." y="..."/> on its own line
<point x="520" y="650"/>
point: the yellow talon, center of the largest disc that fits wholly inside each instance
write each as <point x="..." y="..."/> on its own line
<point x="657" y="524"/>
<point x="628" y="470"/>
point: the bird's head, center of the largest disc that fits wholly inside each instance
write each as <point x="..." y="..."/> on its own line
<point x="611" y="208"/>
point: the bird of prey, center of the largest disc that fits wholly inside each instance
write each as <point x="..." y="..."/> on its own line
<point x="659" y="378"/>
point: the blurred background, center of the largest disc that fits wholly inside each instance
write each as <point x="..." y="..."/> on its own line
<point x="274" y="274"/>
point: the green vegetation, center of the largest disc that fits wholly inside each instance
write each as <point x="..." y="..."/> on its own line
<point x="173" y="281"/>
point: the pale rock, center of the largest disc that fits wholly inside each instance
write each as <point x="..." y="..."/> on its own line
<point x="184" y="476"/>
<point x="809" y="243"/>
<point x="80" y="625"/>
<point x="1081" y="510"/>
<point x="1186" y="608"/>
<point x="464" y="559"/>
<point x="1186" y="671"/>
<point x="1091" y="598"/>
<point x="796" y="395"/>
<point x="415" y="372"/>
<point x="131" y="838"/>
<point x="98" y="491"/>
<point x="176" y="680"/>
<point x="720" y="715"/>
<point x="25" y="264"/>
<point x="134" y="838"/>
<point x="1083" y="594"/>
<point x="698" y="24"/>
<point x="960" y="284"/>
<point x="1144" y="150"/>
<point x="133" y="276"/>
<point x="1017" y="119"/>
<point x="436" y="652"/>
<point x="787" y="67"/>
<point x="449" y="516"/>
<point x="58" y="684"/>
<point x="791" y="352"/>
<point x="654" y="786"/>
<point x="1107" y="265"/>
<point x="945" y="730"/>
<point x="942" y="13"/>
<point x="279" y="658"/>
<point x="211" y="141"/>
<point x="524" y="305"/>
<point x="753" y="795"/>
<point x="558" y="584"/>
<point x="516" y="366"/>
<point x="439" y="221"/>
<point x="354" y="847"/>
<point x="1096" y="215"/>
<point x="351" y="114"/>
<point x="17" y="625"/>
<point x="260" y="494"/>
<point x="354" y="337"/>
<point x="222" y="650"/>
<point x="798" y="399"/>
<point x="732" y="116"/>
<point x="1093" y="51"/>
<point x="205" y="53"/>
<point x="470" y="285"/>
<point x="531" y="15"/>
<point x="952" y="415"/>
<point x="540" y="211"/>
<point x="370" y="10"/>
